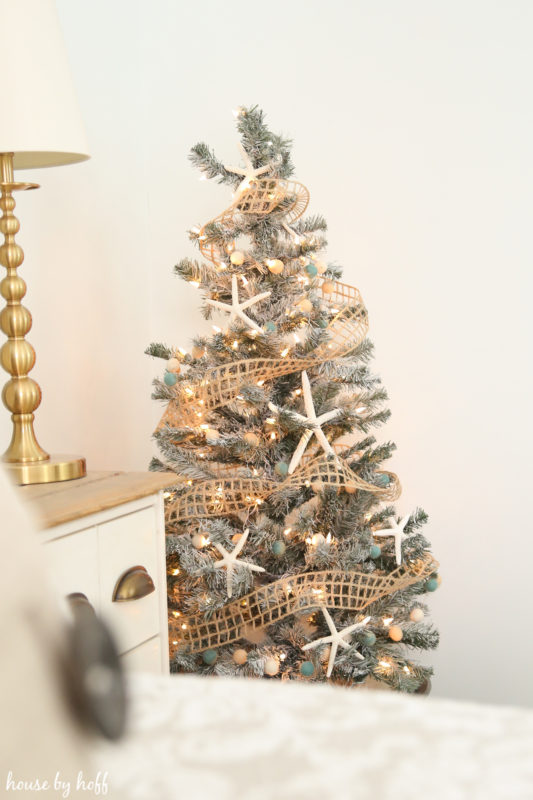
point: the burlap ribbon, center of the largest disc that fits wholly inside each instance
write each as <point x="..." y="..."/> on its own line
<point x="347" y="591"/>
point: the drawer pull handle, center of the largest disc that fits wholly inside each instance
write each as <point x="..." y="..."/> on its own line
<point x="132" y="585"/>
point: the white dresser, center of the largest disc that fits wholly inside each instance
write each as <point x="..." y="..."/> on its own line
<point x="104" y="537"/>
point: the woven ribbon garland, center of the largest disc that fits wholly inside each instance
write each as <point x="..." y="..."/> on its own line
<point x="347" y="591"/>
<point x="230" y="492"/>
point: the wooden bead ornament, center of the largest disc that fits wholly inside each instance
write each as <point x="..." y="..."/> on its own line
<point x="237" y="258"/>
<point x="197" y="351"/>
<point x="236" y="537"/>
<point x="240" y="657"/>
<point x="416" y="615"/>
<point x="350" y="488"/>
<point x="212" y="435"/>
<point x="317" y="486"/>
<point x="251" y="439"/>
<point x="173" y="365"/>
<point x="271" y="666"/>
<point x="328" y="287"/>
<point x="395" y="633"/>
<point x="275" y="265"/>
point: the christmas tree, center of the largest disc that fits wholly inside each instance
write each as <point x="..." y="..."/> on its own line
<point x="286" y="557"/>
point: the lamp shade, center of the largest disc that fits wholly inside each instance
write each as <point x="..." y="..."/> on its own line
<point x="39" y="117"/>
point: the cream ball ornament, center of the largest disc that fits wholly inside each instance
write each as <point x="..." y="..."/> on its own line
<point x="199" y="540"/>
<point x="395" y="633"/>
<point x="416" y="615"/>
<point x="251" y="439"/>
<point x="212" y="435"/>
<point x="237" y="258"/>
<point x="173" y="365"/>
<point x="321" y="267"/>
<point x="271" y="666"/>
<point x="317" y="486"/>
<point x="305" y="305"/>
<point x="240" y="656"/>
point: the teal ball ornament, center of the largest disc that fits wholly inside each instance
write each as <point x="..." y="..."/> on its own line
<point x="311" y="270"/>
<point x="270" y="327"/>
<point x="281" y="468"/>
<point x="170" y="378"/>
<point x="383" y="480"/>
<point x="323" y="323"/>
<point x="369" y="638"/>
<point x="278" y="548"/>
<point x="307" y="668"/>
<point x="432" y="585"/>
<point x="375" y="551"/>
<point x="209" y="657"/>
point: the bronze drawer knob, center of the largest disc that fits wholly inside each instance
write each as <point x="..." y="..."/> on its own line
<point x="132" y="585"/>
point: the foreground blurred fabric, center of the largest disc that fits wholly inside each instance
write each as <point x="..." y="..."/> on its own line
<point x="195" y="737"/>
<point x="40" y="739"/>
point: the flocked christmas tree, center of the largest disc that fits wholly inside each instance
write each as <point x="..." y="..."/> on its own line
<point x="285" y="555"/>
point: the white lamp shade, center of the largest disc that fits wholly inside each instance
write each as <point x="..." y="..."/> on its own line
<point x="39" y="117"/>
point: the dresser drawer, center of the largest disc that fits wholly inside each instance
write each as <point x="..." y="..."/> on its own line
<point x="146" y="657"/>
<point x="125" y="542"/>
<point x="72" y="562"/>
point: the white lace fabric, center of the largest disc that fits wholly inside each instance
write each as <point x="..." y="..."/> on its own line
<point x="221" y="738"/>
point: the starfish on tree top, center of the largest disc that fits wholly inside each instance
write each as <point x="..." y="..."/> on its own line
<point x="230" y="560"/>
<point x="397" y="530"/>
<point x="249" y="172"/>
<point x="312" y="423"/>
<point x="336" y="639"/>
<point x="236" y="308"/>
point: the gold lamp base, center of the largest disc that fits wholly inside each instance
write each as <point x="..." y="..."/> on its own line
<point x="24" y="459"/>
<point x="56" y="468"/>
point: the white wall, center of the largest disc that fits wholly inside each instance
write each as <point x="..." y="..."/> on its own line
<point x="412" y="124"/>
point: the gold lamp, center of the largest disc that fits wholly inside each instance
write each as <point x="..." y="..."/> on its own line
<point x="40" y="126"/>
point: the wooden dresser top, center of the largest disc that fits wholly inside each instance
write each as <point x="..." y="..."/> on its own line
<point x="55" y="503"/>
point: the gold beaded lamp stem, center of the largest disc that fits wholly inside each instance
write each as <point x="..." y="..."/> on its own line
<point x="24" y="458"/>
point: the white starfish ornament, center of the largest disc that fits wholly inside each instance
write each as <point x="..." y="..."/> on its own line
<point x="337" y="639"/>
<point x="312" y="422"/>
<point x="396" y="530"/>
<point x="230" y="560"/>
<point x="236" y="308"/>
<point x="249" y="172"/>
